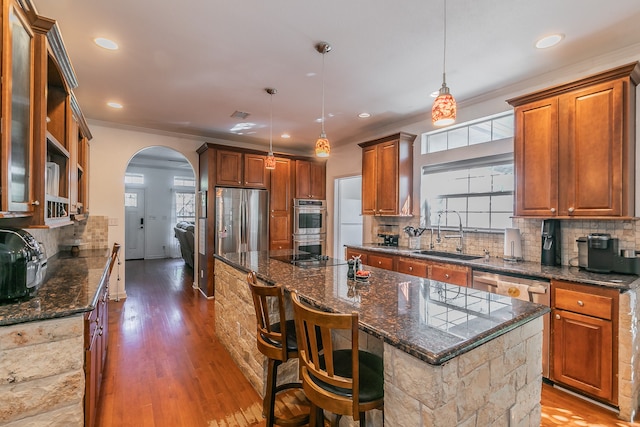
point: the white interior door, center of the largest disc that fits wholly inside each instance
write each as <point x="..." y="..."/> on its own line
<point x="348" y="217"/>
<point x="134" y="209"/>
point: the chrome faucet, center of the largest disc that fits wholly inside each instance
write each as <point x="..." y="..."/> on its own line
<point x="460" y="234"/>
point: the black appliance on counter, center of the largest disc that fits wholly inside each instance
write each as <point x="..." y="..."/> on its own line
<point x="551" y="254"/>
<point x="603" y="255"/>
<point x="23" y="264"/>
<point x="388" y="235"/>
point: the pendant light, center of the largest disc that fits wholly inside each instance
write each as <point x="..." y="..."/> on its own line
<point x="270" y="161"/>
<point x="444" y="107"/>
<point x="322" y="144"/>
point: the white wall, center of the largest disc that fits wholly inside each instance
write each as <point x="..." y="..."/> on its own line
<point x="110" y="152"/>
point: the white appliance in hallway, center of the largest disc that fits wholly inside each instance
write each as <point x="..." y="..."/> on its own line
<point x="242" y="222"/>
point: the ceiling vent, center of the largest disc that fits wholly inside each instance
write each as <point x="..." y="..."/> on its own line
<point x="240" y="115"/>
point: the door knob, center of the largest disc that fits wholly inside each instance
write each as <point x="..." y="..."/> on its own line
<point x="571" y="210"/>
<point x="557" y="316"/>
<point x="580" y="303"/>
<point x="553" y="210"/>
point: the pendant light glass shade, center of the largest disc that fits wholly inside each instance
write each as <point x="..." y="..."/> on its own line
<point x="270" y="161"/>
<point x="323" y="148"/>
<point x="444" y="107"/>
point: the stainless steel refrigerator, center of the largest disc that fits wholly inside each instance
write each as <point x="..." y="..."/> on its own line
<point x="242" y="220"/>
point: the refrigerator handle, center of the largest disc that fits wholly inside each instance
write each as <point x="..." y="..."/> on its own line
<point x="243" y="223"/>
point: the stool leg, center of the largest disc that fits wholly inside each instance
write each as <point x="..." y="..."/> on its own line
<point x="269" y="403"/>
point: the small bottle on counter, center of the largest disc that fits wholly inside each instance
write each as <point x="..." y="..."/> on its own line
<point x="351" y="274"/>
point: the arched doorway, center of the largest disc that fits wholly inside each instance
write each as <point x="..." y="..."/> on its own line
<point x="160" y="187"/>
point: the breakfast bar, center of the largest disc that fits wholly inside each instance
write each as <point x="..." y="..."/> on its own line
<point x="451" y="354"/>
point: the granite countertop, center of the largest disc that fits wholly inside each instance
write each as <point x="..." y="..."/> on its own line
<point x="431" y="320"/>
<point x="574" y="274"/>
<point x="71" y="286"/>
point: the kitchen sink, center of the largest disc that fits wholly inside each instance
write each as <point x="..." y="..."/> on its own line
<point x="452" y="255"/>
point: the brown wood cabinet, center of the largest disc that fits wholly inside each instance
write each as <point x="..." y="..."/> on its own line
<point x="310" y="180"/>
<point x="387" y="175"/>
<point x="436" y="270"/>
<point x="412" y="266"/>
<point x="352" y="252"/>
<point x="43" y="172"/>
<point x="238" y="169"/>
<point x="280" y="205"/>
<point x="449" y="273"/>
<point x="574" y="148"/>
<point x="96" y="337"/>
<point x="584" y="339"/>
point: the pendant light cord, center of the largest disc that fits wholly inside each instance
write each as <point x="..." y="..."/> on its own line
<point x="322" y="119"/>
<point x="271" y="124"/>
<point x="444" y="47"/>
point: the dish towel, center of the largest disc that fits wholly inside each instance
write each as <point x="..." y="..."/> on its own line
<point x="513" y="290"/>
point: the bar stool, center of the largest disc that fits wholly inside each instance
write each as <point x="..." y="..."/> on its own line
<point x="342" y="381"/>
<point x="277" y="341"/>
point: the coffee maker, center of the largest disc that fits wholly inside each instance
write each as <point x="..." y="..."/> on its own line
<point x="550" y="242"/>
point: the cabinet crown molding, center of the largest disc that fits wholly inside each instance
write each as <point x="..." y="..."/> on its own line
<point x="631" y="70"/>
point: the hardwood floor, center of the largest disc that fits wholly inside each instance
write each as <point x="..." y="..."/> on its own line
<point x="165" y="367"/>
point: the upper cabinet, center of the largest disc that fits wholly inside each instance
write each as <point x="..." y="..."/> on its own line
<point x="44" y="157"/>
<point x="238" y="169"/>
<point x="387" y="175"/>
<point x="17" y="111"/>
<point x="574" y="147"/>
<point x="310" y="180"/>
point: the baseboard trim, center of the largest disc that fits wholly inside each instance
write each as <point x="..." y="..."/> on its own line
<point x="588" y="399"/>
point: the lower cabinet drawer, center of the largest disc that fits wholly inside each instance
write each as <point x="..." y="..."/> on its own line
<point x="380" y="262"/>
<point x="413" y="267"/>
<point x="579" y="302"/>
<point x="456" y="275"/>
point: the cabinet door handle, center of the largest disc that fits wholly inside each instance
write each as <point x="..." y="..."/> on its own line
<point x="571" y="210"/>
<point x="580" y="303"/>
<point x="557" y="316"/>
<point x="553" y="210"/>
<point x="379" y="262"/>
<point x="446" y="275"/>
<point x="410" y="268"/>
<point x="35" y="203"/>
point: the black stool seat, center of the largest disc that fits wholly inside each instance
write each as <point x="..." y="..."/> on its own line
<point x="342" y="381"/>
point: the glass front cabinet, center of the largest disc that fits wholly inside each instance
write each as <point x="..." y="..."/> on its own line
<point x="44" y="157"/>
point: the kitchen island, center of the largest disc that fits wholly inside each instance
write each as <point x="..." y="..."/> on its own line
<point x="452" y="355"/>
<point x="42" y="343"/>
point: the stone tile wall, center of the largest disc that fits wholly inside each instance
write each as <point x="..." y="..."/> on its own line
<point x="94" y="233"/>
<point x="628" y="232"/>
<point x="628" y="349"/>
<point x="42" y="373"/>
<point x="236" y="328"/>
<point x="495" y="385"/>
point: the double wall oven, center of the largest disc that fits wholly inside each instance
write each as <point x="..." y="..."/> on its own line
<point x="309" y="226"/>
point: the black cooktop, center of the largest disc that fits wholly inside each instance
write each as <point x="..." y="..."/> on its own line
<point x="308" y="260"/>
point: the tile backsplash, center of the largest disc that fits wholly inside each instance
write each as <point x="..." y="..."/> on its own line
<point x="627" y="231"/>
<point x="92" y="233"/>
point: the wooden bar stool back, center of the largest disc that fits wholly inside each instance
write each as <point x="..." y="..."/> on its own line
<point x="276" y="339"/>
<point x="342" y="381"/>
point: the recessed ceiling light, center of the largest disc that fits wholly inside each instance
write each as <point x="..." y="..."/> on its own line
<point x="114" y="105"/>
<point x="285" y="136"/>
<point x="364" y="115"/>
<point x="106" y="43"/>
<point x="549" y="41"/>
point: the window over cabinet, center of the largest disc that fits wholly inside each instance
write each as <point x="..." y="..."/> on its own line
<point x="480" y="190"/>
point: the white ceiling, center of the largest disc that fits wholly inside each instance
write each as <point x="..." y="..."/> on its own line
<point x="187" y="66"/>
